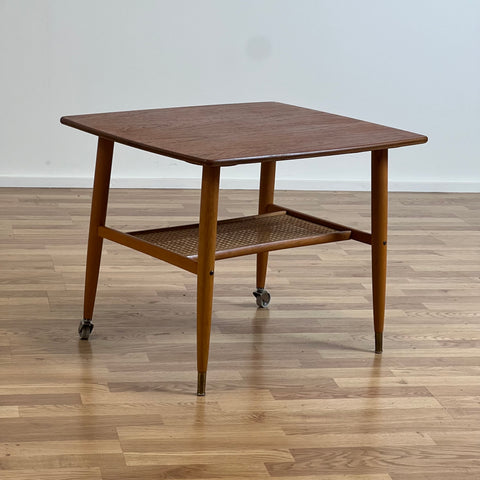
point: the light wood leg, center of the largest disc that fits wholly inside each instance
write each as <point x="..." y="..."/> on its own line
<point x="265" y="198"/>
<point x="98" y="215"/>
<point x="379" y="205"/>
<point x="206" y="268"/>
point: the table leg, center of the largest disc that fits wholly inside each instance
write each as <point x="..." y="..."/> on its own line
<point x="265" y="198"/>
<point x="98" y="215"/>
<point x="206" y="268"/>
<point x="379" y="206"/>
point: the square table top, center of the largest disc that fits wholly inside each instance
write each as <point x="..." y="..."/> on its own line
<point x="232" y="134"/>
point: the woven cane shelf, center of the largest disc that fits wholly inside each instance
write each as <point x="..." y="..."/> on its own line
<point x="235" y="237"/>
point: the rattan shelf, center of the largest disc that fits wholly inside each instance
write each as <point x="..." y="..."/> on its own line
<point x="235" y="237"/>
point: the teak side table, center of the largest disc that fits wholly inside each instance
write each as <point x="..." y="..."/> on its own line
<point x="218" y="136"/>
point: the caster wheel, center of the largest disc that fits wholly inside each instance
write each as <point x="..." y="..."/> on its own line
<point x="85" y="329"/>
<point x="263" y="297"/>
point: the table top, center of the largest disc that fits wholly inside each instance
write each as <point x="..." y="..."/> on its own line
<point x="232" y="134"/>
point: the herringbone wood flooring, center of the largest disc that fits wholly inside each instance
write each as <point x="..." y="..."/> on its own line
<point x="294" y="392"/>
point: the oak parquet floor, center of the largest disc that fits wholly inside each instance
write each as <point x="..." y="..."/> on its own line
<point x="294" y="392"/>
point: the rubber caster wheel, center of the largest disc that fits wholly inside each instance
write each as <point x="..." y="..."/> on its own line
<point x="85" y="329"/>
<point x="263" y="297"/>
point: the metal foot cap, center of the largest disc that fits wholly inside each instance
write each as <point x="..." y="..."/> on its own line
<point x="378" y="342"/>
<point x="201" y="383"/>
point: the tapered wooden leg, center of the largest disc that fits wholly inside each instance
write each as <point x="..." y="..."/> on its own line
<point x="265" y="198"/>
<point x="206" y="269"/>
<point x="379" y="207"/>
<point x="98" y="215"/>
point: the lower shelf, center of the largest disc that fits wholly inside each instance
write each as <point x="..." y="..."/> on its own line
<point x="235" y="237"/>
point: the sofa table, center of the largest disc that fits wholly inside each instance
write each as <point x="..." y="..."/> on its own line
<point x="218" y="136"/>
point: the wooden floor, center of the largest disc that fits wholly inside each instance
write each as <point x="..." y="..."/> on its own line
<point x="294" y="392"/>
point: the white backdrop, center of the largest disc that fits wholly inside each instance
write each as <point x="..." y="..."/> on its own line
<point x="411" y="64"/>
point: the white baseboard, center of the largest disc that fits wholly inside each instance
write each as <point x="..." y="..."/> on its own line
<point x="242" y="184"/>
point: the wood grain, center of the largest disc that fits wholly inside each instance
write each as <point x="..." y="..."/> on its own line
<point x="241" y="133"/>
<point x="295" y="391"/>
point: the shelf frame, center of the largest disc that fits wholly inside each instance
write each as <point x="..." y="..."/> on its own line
<point x="276" y="214"/>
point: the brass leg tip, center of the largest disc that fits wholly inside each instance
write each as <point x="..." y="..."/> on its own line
<point x="201" y="383"/>
<point x="378" y="342"/>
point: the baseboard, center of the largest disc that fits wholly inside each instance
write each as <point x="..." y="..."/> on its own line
<point x="242" y="184"/>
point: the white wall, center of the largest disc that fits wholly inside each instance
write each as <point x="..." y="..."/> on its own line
<point x="411" y="64"/>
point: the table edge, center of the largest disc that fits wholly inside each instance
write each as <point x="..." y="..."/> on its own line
<point x="420" y="139"/>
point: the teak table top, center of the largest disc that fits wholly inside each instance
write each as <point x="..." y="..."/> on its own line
<point x="222" y="135"/>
